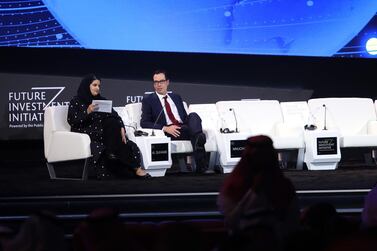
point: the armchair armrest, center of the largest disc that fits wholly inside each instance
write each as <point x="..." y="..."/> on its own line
<point x="68" y="146"/>
<point x="286" y="129"/>
<point x="157" y="132"/>
<point x="210" y="134"/>
<point x="372" y="127"/>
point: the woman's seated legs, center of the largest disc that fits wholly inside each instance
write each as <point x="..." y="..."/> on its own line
<point x="112" y="137"/>
<point x="121" y="154"/>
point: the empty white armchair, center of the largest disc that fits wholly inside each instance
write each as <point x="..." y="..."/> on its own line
<point x="296" y="114"/>
<point x="297" y="117"/>
<point x="262" y="117"/>
<point x="60" y="144"/>
<point x="354" y="119"/>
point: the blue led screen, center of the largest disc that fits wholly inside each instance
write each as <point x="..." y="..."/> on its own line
<point x="343" y="28"/>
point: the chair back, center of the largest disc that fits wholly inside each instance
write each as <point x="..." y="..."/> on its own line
<point x="121" y="110"/>
<point x="296" y="113"/>
<point x="254" y="116"/>
<point x="348" y="115"/>
<point x="134" y="113"/>
<point x="208" y="113"/>
<point x="55" y="119"/>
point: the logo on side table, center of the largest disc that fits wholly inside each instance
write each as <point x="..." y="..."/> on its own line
<point x="327" y="145"/>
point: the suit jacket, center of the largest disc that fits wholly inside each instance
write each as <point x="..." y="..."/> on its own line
<point x="151" y="108"/>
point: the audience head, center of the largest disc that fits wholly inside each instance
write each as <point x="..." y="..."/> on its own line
<point x="259" y="156"/>
<point x="160" y="82"/>
<point x="258" y="160"/>
<point x="89" y="88"/>
<point x="369" y="214"/>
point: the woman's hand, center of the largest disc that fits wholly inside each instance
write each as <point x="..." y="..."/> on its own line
<point x="123" y="134"/>
<point x="91" y="108"/>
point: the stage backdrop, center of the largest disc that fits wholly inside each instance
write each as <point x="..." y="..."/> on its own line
<point x="342" y="28"/>
<point x="24" y="97"/>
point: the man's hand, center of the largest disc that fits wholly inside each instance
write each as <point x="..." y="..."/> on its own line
<point x="172" y="130"/>
<point x="123" y="134"/>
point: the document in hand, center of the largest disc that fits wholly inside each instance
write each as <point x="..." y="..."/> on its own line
<point x="103" y="105"/>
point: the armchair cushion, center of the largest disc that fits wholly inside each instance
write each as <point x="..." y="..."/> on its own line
<point x="68" y="146"/>
<point x="60" y="143"/>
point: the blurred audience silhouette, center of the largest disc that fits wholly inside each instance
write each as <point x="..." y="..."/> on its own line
<point x="369" y="214"/>
<point x="102" y="231"/>
<point x="260" y="209"/>
<point x="259" y="204"/>
<point x="40" y="232"/>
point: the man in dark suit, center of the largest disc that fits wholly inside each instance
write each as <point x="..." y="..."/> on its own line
<point x="165" y="111"/>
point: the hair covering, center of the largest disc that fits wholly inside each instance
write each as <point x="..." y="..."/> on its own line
<point x="83" y="92"/>
<point x="369" y="215"/>
<point x="259" y="170"/>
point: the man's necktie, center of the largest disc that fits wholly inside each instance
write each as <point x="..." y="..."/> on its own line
<point x="169" y="112"/>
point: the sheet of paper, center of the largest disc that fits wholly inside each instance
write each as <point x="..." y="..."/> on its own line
<point x="103" y="105"/>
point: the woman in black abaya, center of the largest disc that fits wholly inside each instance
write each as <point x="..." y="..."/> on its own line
<point x="109" y="143"/>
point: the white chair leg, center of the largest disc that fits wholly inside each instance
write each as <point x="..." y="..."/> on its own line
<point x="374" y="156"/>
<point x="282" y="160"/>
<point x="51" y="170"/>
<point x="85" y="170"/>
<point x="193" y="164"/>
<point x="84" y="175"/>
<point x="300" y="159"/>
<point x="212" y="160"/>
<point x="182" y="164"/>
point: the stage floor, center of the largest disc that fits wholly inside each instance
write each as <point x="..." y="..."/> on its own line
<point x="33" y="180"/>
<point x="23" y="173"/>
<point x="25" y="185"/>
<point x="28" y="187"/>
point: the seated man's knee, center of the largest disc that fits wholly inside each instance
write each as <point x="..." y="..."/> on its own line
<point x="193" y="117"/>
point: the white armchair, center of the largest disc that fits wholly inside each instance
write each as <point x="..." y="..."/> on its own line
<point x="262" y="117"/>
<point x="296" y="116"/>
<point x="354" y="118"/>
<point x="60" y="144"/>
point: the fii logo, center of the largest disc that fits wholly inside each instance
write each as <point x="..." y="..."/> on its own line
<point x="26" y="108"/>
